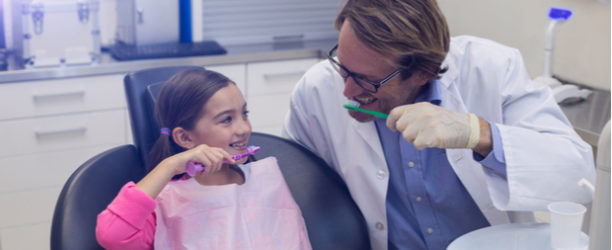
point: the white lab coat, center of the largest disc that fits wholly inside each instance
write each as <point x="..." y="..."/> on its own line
<point x="544" y="156"/>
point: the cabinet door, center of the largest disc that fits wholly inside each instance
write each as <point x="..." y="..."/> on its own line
<point x="269" y="89"/>
<point x="62" y="132"/>
<point x="235" y="72"/>
<point x="23" y="215"/>
<point x="278" y="77"/>
<point x="26" y="237"/>
<point x="29" y="188"/>
<point x="43" y="170"/>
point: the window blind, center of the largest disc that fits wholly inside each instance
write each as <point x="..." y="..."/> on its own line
<point x="233" y="22"/>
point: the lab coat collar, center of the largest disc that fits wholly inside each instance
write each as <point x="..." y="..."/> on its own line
<point x="367" y="131"/>
<point x="452" y="67"/>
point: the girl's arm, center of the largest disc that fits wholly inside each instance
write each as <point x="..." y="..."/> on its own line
<point x="153" y="183"/>
<point x="128" y="222"/>
<point x="211" y="157"/>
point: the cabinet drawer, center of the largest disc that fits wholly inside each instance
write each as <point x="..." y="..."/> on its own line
<point x="60" y="96"/>
<point x="235" y="72"/>
<point x="26" y="237"/>
<point x="275" y="77"/>
<point x="43" y="170"/>
<point x="63" y="132"/>
<point x="270" y="129"/>
<point x="28" y="207"/>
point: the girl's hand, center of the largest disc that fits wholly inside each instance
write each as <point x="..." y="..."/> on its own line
<point x="211" y="157"/>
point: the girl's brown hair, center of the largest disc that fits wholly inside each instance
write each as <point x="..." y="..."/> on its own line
<point x="180" y="104"/>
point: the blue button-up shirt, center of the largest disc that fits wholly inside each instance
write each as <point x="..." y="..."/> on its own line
<point x="427" y="205"/>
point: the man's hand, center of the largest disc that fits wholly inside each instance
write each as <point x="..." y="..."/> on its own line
<point x="427" y="125"/>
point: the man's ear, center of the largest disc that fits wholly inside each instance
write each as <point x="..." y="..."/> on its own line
<point x="182" y="138"/>
<point x="424" y="76"/>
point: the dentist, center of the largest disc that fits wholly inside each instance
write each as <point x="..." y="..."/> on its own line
<point x="470" y="140"/>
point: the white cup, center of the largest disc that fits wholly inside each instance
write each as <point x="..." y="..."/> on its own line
<point x="565" y="224"/>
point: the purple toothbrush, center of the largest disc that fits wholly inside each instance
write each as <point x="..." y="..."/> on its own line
<point x="192" y="167"/>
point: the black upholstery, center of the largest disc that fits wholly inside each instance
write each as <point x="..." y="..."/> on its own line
<point x="333" y="220"/>
<point x="87" y="192"/>
<point x="145" y="128"/>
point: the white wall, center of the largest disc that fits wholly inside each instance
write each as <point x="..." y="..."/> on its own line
<point x="582" y="44"/>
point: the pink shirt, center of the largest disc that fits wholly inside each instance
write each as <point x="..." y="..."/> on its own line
<point x="128" y="222"/>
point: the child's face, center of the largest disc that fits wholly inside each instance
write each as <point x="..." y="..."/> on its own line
<point x="225" y="123"/>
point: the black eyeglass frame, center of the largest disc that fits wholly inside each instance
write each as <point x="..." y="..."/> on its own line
<point x="356" y="77"/>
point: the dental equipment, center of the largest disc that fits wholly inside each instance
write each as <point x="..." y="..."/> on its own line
<point x="561" y="92"/>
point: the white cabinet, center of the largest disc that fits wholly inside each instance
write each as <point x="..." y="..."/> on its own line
<point x="61" y="96"/>
<point x="50" y="128"/>
<point x="62" y="132"/>
<point x="26" y="237"/>
<point x="269" y="86"/>
<point x="235" y="72"/>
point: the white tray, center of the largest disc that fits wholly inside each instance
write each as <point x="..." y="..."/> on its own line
<point x="531" y="236"/>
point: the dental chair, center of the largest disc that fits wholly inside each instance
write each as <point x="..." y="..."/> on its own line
<point x="332" y="218"/>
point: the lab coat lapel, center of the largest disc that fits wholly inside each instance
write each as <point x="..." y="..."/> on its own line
<point x="368" y="133"/>
<point x="470" y="172"/>
<point x="474" y="180"/>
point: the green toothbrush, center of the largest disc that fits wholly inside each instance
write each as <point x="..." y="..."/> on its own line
<point x="355" y="107"/>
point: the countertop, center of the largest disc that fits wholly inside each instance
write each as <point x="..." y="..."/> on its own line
<point x="235" y="54"/>
<point x="588" y="117"/>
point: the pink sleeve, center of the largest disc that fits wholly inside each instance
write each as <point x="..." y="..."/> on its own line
<point x="128" y="222"/>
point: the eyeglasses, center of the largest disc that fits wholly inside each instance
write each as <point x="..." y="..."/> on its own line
<point x="360" y="80"/>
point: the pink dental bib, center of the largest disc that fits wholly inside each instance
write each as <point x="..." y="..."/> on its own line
<point x="259" y="214"/>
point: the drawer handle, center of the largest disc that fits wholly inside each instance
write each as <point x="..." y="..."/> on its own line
<point x="75" y="93"/>
<point x="77" y="130"/>
<point x="287" y="74"/>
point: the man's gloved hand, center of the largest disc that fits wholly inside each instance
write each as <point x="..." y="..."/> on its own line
<point x="427" y="126"/>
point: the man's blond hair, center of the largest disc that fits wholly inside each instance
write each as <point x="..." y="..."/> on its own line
<point x="412" y="34"/>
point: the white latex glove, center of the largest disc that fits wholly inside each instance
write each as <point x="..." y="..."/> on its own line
<point x="430" y="126"/>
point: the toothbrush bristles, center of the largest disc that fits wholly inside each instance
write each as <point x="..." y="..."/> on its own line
<point x="352" y="103"/>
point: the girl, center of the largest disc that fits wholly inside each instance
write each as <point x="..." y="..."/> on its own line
<point x="204" y="119"/>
